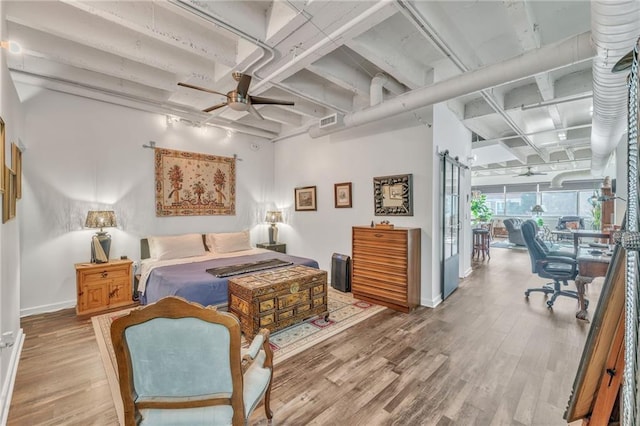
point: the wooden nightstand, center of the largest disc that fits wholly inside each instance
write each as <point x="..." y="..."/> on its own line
<point x="103" y="286"/>
<point x="280" y="247"/>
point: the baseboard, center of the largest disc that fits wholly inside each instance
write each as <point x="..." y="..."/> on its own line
<point x="467" y="272"/>
<point x="47" y="308"/>
<point x="10" y="378"/>
<point x="431" y="303"/>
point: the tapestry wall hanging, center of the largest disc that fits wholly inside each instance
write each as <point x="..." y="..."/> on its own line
<point x="192" y="184"/>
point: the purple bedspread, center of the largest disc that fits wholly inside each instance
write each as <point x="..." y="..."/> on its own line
<point x="192" y="281"/>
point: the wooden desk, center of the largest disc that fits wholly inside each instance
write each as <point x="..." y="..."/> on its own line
<point x="580" y="233"/>
<point x="589" y="267"/>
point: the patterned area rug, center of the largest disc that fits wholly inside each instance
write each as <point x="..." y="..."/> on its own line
<point x="344" y="312"/>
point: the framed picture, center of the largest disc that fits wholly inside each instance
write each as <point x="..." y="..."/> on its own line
<point x="305" y="198"/>
<point x="393" y="195"/>
<point x="342" y="195"/>
<point x="16" y="165"/>
<point x="1" y="155"/>
<point x="9" y="197"/>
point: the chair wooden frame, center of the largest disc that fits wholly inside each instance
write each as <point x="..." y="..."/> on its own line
<point x="174" y="308"/>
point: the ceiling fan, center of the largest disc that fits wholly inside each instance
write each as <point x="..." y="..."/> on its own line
<point x="239" y="99"/>
<point x="530" y="172"/>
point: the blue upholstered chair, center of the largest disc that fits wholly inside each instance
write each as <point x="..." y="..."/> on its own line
<point x="182" y="364"/>
<point x="513" y="228"/>
<point x="559" y="268"/>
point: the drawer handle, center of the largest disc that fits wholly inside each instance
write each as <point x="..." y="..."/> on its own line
<point x="113" y="293"/>
<point x="379" y="235"/>
<point x="105" y="274"/>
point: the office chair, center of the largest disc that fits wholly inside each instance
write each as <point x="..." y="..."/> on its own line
<point x="558" y="268"/>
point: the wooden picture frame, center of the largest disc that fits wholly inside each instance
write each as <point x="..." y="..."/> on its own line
<point x="608" y="313"/>
<point x="1" y="155"/>
<point x="305" y="198"/>
<point x="393" y="195"/>
<point x="9" y="196"/>
<point x="342" y="195"/>
<point x="16" y="165"/>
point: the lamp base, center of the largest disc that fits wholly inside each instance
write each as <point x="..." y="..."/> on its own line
<point x="273" y="233"/>
<point x="105" y="243"/>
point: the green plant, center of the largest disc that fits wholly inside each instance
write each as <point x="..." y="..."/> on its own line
<point x="540" y="222"/>
<point x="596" y="210"/>
<point x="480" y="209"/>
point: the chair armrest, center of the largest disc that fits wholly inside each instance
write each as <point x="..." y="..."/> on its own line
<point x="260" y="341"/>
<point x="549" y="260"/>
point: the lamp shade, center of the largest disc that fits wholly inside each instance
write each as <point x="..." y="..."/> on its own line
<point x="537" y="209"/>
<point x="100" y="219"/>
<point x="274" y="216"/>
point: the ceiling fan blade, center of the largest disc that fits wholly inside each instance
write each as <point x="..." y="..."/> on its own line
<point x="257" y="100"/>
<point x="253" y="111"/>
<point x="243" y="85"/>
<point x="214" y="107"/>
<point x="191" y="86"/>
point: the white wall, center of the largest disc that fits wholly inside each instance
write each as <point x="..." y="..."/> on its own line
<point x="358" y="155"/>
<point x="84" y="155"/>
<point x="10" y="250"/>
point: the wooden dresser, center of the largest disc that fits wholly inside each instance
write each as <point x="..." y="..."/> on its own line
<point x="278" y="298"/>
<point x="103" y="286"/>
<point x="386" y="266"/>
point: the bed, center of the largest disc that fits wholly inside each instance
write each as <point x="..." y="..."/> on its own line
<point x="177" y="265"/>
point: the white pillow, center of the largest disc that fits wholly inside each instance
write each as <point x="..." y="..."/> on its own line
<point x="228" y="242"/>
<point x="176" y="246"/>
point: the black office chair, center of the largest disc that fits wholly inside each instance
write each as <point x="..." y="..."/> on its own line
<point x="559" y="268"/>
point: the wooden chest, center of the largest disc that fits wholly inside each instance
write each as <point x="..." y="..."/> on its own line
<point x="278" y="298"/>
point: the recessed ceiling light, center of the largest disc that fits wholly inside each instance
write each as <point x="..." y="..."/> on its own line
<point x="562" y="136"/>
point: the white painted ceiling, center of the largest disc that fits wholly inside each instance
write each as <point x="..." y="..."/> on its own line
<point x="320" y="54"/>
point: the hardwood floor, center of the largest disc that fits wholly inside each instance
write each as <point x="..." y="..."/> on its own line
<point x="485" y="356"/>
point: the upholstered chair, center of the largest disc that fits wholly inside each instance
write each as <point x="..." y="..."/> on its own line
<point x="182" y="364"/>
<point x="513" y="229"/>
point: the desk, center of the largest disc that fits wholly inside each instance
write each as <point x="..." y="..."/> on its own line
<point x="579" y="233"/>
<point x="589" y="267"/>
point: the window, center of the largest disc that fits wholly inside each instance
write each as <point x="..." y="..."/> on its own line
<point x="560" y="203"/>
<point x="496" y="203"/>
<point x="520" y="203"/>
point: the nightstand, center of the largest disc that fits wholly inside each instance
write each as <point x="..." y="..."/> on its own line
<point x="280" y="247"/>
<point x="103" y="286"/>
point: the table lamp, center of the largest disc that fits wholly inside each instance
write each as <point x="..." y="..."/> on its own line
<point x="537" y="209"/>
<point x="101" y="241"/>
<point x="273" y="217"/>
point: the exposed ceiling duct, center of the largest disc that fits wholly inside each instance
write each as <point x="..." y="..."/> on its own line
<point x="615" y="27"/>
<point x="558" y="180"/>
<point x="549" y="57"/>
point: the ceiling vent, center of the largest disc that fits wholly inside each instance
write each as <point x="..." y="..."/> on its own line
<point x="332" y="120"/>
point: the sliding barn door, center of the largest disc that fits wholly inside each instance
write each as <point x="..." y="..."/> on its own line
<point x="450" y="196"/>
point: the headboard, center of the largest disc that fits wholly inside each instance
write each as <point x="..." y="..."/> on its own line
<point x="144" y="249"/>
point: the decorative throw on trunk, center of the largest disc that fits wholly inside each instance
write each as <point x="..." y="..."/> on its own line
<point x="192" y="184"/>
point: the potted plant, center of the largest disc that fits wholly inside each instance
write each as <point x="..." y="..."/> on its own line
<point x="596" y="210"/>
<point x="480" y="210"/>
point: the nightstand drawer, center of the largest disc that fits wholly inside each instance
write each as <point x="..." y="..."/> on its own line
<point x="105" y="274"/>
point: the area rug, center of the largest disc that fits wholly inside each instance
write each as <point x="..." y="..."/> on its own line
<point x="507" y="244"/>
<point x="344" y="312"/>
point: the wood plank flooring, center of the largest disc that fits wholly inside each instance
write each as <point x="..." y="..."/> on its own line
<point x="485" y="356"/>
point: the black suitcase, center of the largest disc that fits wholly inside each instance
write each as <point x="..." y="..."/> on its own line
<point x="341" y="272"/>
